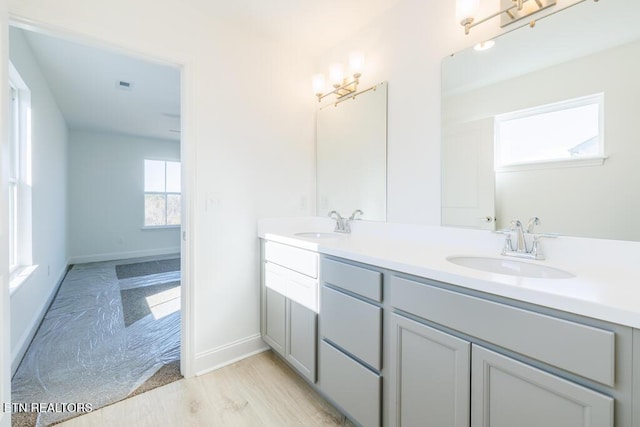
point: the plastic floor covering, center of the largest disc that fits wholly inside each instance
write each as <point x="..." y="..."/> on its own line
<point x="84" y="353"/>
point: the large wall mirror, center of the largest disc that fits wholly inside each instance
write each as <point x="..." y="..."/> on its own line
<point x="545" y="123"/>
<point x="351" y="138"/>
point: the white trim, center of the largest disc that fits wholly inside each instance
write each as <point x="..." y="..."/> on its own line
<point x="554" y="164"/>
<point x="80" y="259"/>
<point x="25" y="340"/>
<point x="160" y="227"/>
<point x="188" y="239"/>
<point x="227" y="354"/>
<point x="19" y="275"/>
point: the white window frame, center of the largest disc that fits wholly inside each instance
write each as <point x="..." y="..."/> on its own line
<point x="595" y="160"/>
<point x="165" y="194"/>
<point x="20" y="217"/>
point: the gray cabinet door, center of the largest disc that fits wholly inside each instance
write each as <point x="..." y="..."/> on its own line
<point x="507" y="393"/>
<point x="275" y="319"/>
<point x="431" y="376"/>
<point x="301" y="339"/>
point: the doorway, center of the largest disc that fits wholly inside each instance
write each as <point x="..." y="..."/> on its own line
<point x="122" y="232"/>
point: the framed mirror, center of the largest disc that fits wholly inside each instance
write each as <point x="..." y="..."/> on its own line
<point x="517" y="142"/>
<point x="351" y="156"/>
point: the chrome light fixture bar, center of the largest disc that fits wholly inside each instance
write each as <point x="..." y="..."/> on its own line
<point x="342" y="89"/>
<point x="342" y="86"/>
<point x="466" y="9"/>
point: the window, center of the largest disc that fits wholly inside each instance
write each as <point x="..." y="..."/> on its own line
<point x="566" y="131"/>
<point x="162" y="200"/>
<point x="14" y="176"/>
<point x="19" y="127"/>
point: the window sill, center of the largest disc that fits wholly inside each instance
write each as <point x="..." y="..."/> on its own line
<point x="160" y="227"/>
<point x="19" y="276"/>
<point x="554" y="164"/>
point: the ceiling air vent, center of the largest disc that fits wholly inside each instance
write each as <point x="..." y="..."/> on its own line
<point x="124" y="85"/>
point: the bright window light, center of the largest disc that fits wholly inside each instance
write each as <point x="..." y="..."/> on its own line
<point x="162" y="198"/>
<point x="564" y="131"/>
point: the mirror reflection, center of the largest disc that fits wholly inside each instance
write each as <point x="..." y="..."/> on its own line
<point x="351" y="138"/>
<point x="544" y="124"/>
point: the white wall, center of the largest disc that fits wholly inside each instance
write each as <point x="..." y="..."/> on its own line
<point x="247" y="137"/>
<point x="5" y="343"/>
<point x="106" y="197"/>
<point x="49" y="194"/>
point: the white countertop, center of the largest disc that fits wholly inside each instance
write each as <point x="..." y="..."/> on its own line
<point x="606" y="285"/>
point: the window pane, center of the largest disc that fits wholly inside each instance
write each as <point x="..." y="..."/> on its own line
<point x="173" y="177"/>
<point x="14" y="135"/>
<point x="558" y="132"/>
<point x="154" y="176"/>
<point x="173" y="209"/>
<point x="154" y="210"/>
<point x="13" y="224"/>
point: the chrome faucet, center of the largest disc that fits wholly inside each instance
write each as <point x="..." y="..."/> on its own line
<point x="522" y="249"/>
<point x="342" y="226"/>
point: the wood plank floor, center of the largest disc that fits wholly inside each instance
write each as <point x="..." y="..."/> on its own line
<point x="258" y="391"/>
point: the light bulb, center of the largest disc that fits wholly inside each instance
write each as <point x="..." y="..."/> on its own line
<point x="486" y="45"/>
<point x="336" y="74"/>
<point x="356" y="63"/>
<point x="317" y="81"/>
<point x="466" y="9"/>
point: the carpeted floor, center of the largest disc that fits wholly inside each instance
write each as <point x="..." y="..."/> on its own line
<point x="137" y="303"/>
<point x="107" y="336"/>
<point x="147" y="268"/>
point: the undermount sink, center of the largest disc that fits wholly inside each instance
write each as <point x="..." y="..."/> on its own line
<point x="510" y="267"/>
<point x="319" y="235"/>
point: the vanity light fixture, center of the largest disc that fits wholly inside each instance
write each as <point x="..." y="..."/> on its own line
<point x="512" y="11"/>
<point x="342" y="85"/>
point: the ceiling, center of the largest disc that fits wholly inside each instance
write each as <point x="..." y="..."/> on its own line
<point x="84" y="80"/>
<point x="85" y="84"/>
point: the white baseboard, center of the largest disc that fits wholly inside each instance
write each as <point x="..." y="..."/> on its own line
<point x="18" y="353"/>
<point x="80" y="259"/>
<point x="227" y="354"/>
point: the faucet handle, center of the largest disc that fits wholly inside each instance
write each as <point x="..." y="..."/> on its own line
<point x="336" y="213"/>
<point x="536" y="249"/>
<point x="353" y="215"/>
<point x="533" y="221"/>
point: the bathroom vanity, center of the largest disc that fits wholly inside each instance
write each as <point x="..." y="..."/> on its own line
<point x="401" y="336"/>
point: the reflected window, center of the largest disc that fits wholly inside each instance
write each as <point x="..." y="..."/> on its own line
<point x="564" y="131"/>
<point x="162" y="198"/>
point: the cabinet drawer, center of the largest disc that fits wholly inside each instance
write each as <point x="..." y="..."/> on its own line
<point x="352" y="324"/>
<point x="577" y="348"/>
<point x="352" y="386"/>
<point x="361" y="281"/>
<point x="295" y="286"/>
<point x="300" y="260"/>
